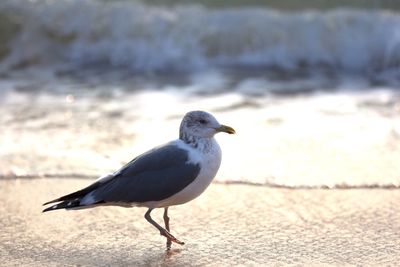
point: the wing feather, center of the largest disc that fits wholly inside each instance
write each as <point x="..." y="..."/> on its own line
<point x="153" y="176"/>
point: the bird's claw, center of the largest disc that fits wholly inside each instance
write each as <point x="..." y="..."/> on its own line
<point x="171" y="238"/>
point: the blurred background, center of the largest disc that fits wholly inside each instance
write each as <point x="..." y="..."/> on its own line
<point x="311" y="87"/>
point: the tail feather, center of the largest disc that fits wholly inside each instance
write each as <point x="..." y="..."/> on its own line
<point x="78" y="194"/>
<point x="64" y="205"/>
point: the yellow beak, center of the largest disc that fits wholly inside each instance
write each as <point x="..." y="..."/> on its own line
<point x="225" y="129"/>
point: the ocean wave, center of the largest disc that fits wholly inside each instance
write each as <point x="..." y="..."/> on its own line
<point x="135" y="36"/>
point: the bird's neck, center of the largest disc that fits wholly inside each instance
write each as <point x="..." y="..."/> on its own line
<point x="200" y="143"/>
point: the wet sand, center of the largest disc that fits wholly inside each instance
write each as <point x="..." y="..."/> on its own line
<point x="228" y="225"/>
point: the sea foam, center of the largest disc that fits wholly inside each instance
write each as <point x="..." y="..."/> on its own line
<point x="187" y="38"/>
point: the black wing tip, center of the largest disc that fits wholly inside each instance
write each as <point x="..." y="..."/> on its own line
<point x="54" y="207"/>
<point x="49" y="202"/>
<point x="59" y="199"/>
<point x="46" y="210"/>
<point x="68" y="204"/>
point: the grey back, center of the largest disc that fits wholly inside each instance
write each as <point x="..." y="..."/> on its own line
<point x="153" y="176"/>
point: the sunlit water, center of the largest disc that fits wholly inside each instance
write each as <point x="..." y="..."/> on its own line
<point x="85" y="86"/>
<point x="85" y="126"/>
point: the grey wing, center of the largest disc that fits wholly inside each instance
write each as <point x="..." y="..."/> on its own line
<point x="153" y="176"/>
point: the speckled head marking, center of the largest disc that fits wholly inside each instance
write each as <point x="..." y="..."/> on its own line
<point x="200" y="124"/>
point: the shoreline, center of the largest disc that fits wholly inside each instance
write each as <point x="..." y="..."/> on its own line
<point x="91" y="178"/>
<point x="230" y="224"/>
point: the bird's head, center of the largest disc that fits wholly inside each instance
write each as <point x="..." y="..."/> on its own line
<point x="201" y="124"/>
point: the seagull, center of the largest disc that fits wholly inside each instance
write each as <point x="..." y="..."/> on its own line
<point x="168" y="175"/>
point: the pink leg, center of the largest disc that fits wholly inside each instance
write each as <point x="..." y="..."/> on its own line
<point x="163" y="232"/>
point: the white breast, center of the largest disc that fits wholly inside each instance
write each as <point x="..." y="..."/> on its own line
<point x="208" y="155"/>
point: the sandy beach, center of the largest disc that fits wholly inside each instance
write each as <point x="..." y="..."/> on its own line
<point x="228" y="225"/>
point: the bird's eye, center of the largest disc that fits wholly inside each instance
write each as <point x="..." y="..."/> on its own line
<point x="202" y="121"/>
